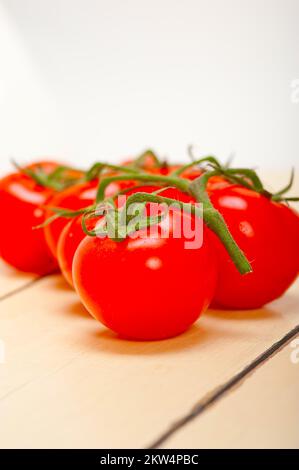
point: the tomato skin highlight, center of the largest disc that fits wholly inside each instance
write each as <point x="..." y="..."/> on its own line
<point x="145" y="288"/>
<point x="268" y="234"/>
<point x="22" y="246"/>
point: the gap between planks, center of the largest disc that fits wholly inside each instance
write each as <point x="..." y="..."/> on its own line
<point x="23" y="287"/>
<point x="237" y="380"/>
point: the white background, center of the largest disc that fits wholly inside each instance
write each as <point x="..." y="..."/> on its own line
<point x="90" y="79"/>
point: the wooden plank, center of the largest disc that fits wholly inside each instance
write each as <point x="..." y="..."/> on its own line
<point x="69" y="382"/>
<point x="262" y="412"/>
<point x="12" y="280"/>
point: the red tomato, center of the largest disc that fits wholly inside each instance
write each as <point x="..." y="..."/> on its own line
<point x="68" y="242"/>
<point x="72" y="233"/>
<point x="268" y="233"/>
<point x="74" y="198"/>
<point x="147" y="287"/>
<point x="21" y="199"/>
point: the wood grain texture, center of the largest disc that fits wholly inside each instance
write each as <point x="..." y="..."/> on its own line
<point x="262" y="412"/>
<point x="68" y="382"/>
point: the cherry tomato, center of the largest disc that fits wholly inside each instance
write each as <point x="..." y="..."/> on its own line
<point x="147" y="287"/>
<point x="268" y="233"/>
<point x="21" y="199"/>
<point x="68" y="242"/>
<point x="72" y="233"/>
<point x="74" y="198"/>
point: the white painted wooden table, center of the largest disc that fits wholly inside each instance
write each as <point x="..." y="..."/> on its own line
<point x="68" y="382"/>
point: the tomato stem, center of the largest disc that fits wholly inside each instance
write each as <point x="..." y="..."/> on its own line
<point x="147" y="177"/>
<point x="211" y="217"/>
<point x="209" y="159"/>
<point x="57" y="180"/>
<point x="97" y="168"/>
<point x="198" y="189"/>
<point x="140" y="161"/>
<point x="216" y="222"/>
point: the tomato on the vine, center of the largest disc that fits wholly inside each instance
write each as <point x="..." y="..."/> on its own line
<point x="21" y="201"/>
<point x="75" y="198"/>
<point x="268" y="234"/>
<point x="147" y="287"/>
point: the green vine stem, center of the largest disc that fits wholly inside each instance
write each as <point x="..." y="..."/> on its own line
<point x="250" y="175"/>
<point x="98" y="167"/>
<point x="216" y="222"/>
<point x="208" y="159"/>
<point x="59" y="212"/>
<point x="139" y="161"/>
<point x="279" y="195"/>
<point x="249" y="179"/>
<point x="58" y="179"/>
<point x="154" y="197"/>
<point x="134" y="166"/>
<point x="286" y="188"/>
<point x="198" y="188"/>
<point x="179" y="183"/>
<point x="210" y="215"/>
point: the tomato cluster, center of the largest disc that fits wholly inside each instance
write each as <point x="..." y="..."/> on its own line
<point x="141" y="284"/>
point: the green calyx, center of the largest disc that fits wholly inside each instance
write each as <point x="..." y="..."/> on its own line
<point x="137" y="165"/>
<point x="249" y="179"/>
<point x="115" y="223"/>
<point x="59" y="179"/>
<point x="140" y="161"/>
